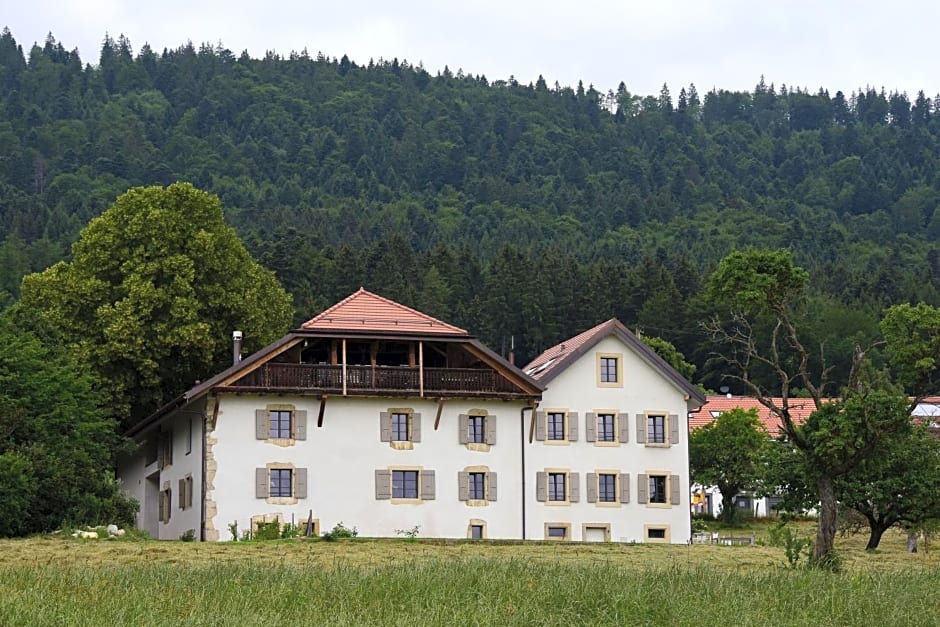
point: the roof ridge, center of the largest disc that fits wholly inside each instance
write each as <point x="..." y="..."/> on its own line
<point x="396" y="313"/>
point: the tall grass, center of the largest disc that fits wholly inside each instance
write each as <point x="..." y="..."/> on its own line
<point x="461" y="591"/>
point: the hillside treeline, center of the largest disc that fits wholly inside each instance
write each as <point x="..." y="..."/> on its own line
<point x="523" y="212"/>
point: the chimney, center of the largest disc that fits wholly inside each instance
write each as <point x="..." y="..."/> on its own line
<point x="236" y="347"/>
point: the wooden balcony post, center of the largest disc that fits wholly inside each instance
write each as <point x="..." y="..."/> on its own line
<point x="344" y="366"/>
<point x="421" y="368"/>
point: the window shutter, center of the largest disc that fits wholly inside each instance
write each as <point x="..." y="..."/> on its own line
<point x="463" y="486"/>
<point x="674" y="490"/>
<point x="641" y="429"/>
<point x="642" y="489"/>
<point x="673" y="429"/>
<point x="300" y="483"/>
<point x="463" y="429"/>
<point x="489" y="427"/>
<point x="169" y="447"/>
<point x="574" y="487"/>
<point x="189" y="492"/>
<point x="540" y="425"/>
<point x="625" y="488"/>
<point x="590" y="429"/>
<point x="624" y="420"/>
<point x="427" y="485"/>
<point x="541" y="487"/>
<point x="262" y="485"/>
<point x="262" y="426"/>
<point x="572" y="419"/>
<point x="416" y="427"/>
<point x="385" y="427"/>
<point x="491" y="486"/>
<point x="591" y="486"/>
<point x="383" y="484"/>
<point x="300" y="424"/>
<point x="182" y="493"/>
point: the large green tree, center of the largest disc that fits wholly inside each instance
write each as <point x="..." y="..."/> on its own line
<point x="727" y="453"/>
<point x="154" y="289"/>
<point x="56" y="441"/>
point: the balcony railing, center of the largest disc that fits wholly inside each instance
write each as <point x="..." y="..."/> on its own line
<point x="361" y="379"/>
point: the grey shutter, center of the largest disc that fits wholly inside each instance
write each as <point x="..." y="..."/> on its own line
<point x="641" y="429"/>
<point x="463" y="429"/>
<point x="572" y="419"/>
<point x="182" y="493"/>
<point x="540" y="425"/>
<point x="625" y="488"/>
<point x="491" y="486"/>
<point x="262" y="428"/>
<point x="673" y="429"/>
<point x="262" y="483"/>
<point x="300" y="424"/>
<point x="300" y="483"/>
<point x="427" y="485"/>
<point x="383" y="484"/>
<point x="590" y="429"/>
<point x="574" y="487"/>
<point x="674" y="491"/>
<point x="169" y="447"/>
<point x="415" y="427"/>
<point x="489" y="427"/>
<point x="385" y="427"/>
<point x="624" y="426"/>
<point x="642" y="489"/>
<point x="591" y="486"/>
<point x="541" y="487"/>
<point x="463" y="486"/>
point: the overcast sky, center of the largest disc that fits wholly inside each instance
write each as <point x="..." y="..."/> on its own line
<point x="836" y="44"/>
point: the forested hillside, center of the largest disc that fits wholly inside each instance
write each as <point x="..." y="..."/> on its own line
<point x="518" y="211"/>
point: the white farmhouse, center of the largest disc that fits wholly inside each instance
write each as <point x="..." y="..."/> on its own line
<point x="381" y="417"/>
<point x="609" y="443"/>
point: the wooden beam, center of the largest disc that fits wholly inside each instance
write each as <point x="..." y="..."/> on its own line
<point x="440" y="409"/>
<point x="535" y="407"/>
<point x="322" y="410"/>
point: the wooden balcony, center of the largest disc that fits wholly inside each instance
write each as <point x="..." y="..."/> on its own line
<point x="386" y="380"/>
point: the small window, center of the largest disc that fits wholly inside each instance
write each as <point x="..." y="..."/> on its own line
<point x="281" y="483"/>
<point x="165" y="505"/>
<point x="189" y="441"/>
<point x="556" y="426"/>
<point x="556" y="486"/>
<point x="656" y="429"/>
<point x="404" y="484"/>
<point x="279" y="422"/>
<point x="609" y="369"/>
<point x="476" y="532"/>
<point x="186" y="492"/>
<point x="657" y="489"/>
<point x="476" y="433"/>
<point x="477" y="486"/>
<point x="607" y="488"/>
<point x="556" y="532"/>
<point x="399" y="427"/>
<point x="656" y="533"/>
<point x="605" y="428"/>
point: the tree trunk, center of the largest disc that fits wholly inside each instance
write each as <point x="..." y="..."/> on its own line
<point x="826" y="532"/>
<point x="728" y="512"/>
<point x="912" y="541"/>
<point x="874" y="538"/>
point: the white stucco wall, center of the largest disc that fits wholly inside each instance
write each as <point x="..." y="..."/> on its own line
<point x="644" y="389"/>
<point x="341" y="458"/>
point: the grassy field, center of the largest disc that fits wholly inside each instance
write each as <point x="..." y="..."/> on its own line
<point x="61" y="581"/>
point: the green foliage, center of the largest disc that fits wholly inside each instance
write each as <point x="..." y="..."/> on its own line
<point x="758" y="280"/>
<point x="155" y="286"/>
<point x="410" y="535"/>
<point x="267" y="530"/>
<point x="340" y="531"/>
<point x="56" y="443"/>
<point x="912" y="335"/>
<point x="671" y="355"/>
<point x="233" y="529"/>
<point x="188" y="536"/>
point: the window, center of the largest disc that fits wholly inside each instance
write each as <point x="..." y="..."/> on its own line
<point x="400" y="427"/>
<point x="477" y="486"/>
<point x="556" y="486"/>
<point x="476" y="532"/>
<point x="475" y="429"/>
<point x="656" y="533"/>
<point x="165" y="500"/>
<point x="656" y="429"/>
<point x="605" y="428"/>
<point x="557" y="531"/>
<point x="556" y="426"/>
<point x="166" y="449"/>
<point x="189" y="441"/>
<point x="404" y="484"/>
<point x="657" y="488"/>
<point x="608" y="369"/>
<point x="280" y="422"/>
<point x="186" y="492"/>
<point x="607" y="488"/>
<point x="280" y="483"/>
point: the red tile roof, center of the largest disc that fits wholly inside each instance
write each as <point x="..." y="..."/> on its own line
<point x="800" y="409"/>
<point x="552" y="357"/>
<point x="368" y="312"/>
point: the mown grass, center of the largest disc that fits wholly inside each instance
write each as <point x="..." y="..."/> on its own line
<point x="52" y="581"/>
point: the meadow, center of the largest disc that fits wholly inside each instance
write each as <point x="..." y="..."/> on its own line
<point x="63" y="581"/>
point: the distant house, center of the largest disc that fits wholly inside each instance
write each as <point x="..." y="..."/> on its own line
<point x="609" y="441"/>
<point x="384" y="418"/>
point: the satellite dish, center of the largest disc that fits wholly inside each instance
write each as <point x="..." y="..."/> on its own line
<point x="724" y="389"/>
